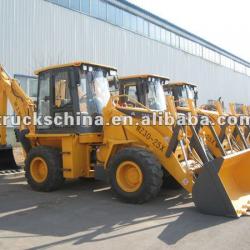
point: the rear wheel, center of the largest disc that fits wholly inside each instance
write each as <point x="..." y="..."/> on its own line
<point x="135" y="175"/>
<point x="43" y="169"/>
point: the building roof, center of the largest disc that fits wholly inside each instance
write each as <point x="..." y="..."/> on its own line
<point x="186" y="33"/>
<point x="73" y="64"/>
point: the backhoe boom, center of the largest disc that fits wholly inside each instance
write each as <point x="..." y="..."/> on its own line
<point x="22" y="105"/>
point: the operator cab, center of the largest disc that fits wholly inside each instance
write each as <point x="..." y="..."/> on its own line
<point x="211" y="105"/>
<point x="144" y="89"/>
<point x="181" y="91"/>
<point x="72" y="90"/>
<point x="239" y="108"/>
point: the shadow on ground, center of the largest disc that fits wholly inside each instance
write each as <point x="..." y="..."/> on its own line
<point x="87" y="211"/>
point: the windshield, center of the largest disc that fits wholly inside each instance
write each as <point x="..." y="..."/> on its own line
<point x="239" y="108"/>
<point x="156" y="97"/>
<point x="101" y="90"/>
<point x="93" y="92"/>
<point x="190" y="92"/>
<point x="182" y="93"/>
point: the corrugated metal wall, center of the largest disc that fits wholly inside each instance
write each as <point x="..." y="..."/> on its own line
<point x="36" y="33"/>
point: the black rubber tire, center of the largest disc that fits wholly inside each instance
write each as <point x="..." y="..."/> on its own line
<point x="151" y="171"/>
<point x="53" y="159"/>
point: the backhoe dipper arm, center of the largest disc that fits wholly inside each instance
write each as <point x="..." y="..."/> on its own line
<point x="20" y="102"/>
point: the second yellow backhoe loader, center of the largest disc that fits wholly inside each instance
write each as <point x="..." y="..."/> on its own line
<point x="144" y="87"/>
<point x="132" y="156"/>
<point x="150" y="87"/>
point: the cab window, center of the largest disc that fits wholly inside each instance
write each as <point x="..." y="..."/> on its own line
<point x="131" y="91"/>
<point x="62" y="93"/>
<point x="44" y="95"/>
<point x="82" y="93"/>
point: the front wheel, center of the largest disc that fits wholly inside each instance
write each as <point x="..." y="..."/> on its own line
<point x="135" y="175"/>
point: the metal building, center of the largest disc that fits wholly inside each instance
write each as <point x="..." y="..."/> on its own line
<point x="37" y="33"/>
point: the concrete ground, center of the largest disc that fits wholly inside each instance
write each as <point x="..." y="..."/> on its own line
<point x="86" y="215"/>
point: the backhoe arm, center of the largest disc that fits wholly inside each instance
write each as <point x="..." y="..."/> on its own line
<point x="20" y="102"/>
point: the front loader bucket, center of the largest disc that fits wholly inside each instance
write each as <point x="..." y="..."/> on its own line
<point x="223" y="186"/>
<point x="7" y="161"/>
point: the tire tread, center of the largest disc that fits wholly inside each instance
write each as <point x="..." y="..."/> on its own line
<point x="53" y="159"/>
<point x="152" y="171"/>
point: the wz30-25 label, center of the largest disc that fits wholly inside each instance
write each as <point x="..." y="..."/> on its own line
<point x="154" y="141"/>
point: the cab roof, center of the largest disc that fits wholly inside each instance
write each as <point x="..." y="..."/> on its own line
<point x="73" y="64"/>
<point x="180" y="84"/>
<point x="145" y="76"/>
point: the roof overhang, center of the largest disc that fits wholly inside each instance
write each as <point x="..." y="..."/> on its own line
<point x="74" y="64"/>
<point x="180" y="84"/>
<point x="143" y="76"/>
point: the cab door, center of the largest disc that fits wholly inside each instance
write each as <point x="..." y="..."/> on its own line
<point x="62" y="101"/>
<point x="55" y="100"/>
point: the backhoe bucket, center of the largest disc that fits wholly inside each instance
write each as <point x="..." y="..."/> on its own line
<point x="223" y="186"/>
<point x="7" y="161"/>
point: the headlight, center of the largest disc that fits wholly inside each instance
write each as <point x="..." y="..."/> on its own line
<point x="84" y="67"/>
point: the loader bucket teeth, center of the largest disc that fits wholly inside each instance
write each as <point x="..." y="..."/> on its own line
<point x="223" y="187"/>
<point x="7" y="161"/>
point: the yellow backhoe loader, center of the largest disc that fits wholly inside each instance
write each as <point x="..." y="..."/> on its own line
<point x="148" y="90"/>
<point x="132" y="156"/>
<point x="231" y="137"/>
<point x="237" y="109"/>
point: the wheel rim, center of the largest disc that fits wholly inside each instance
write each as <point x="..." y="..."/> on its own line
<point x="129" y="176"/>
<point x="39" y="169"/>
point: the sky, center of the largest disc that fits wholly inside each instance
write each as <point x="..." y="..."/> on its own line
<point x="225" y="23"/>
